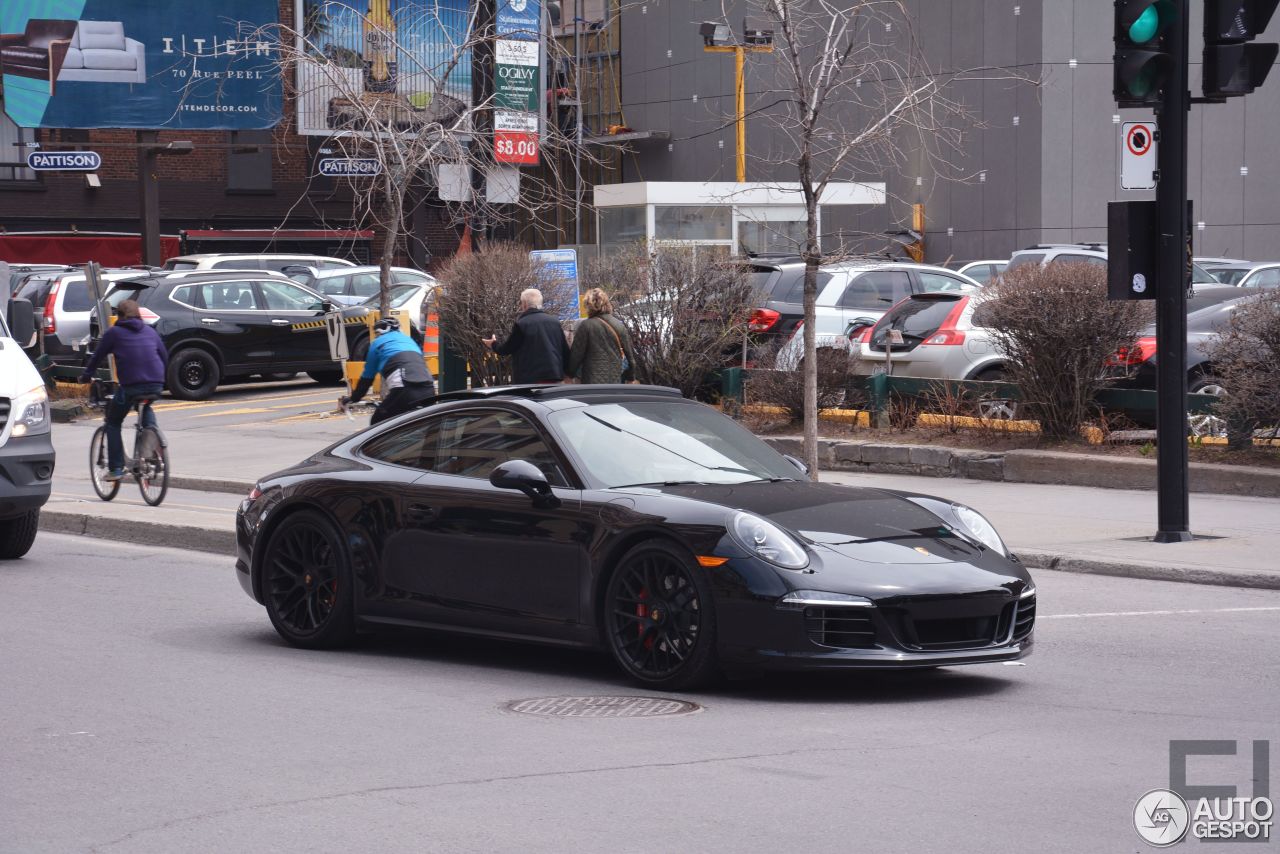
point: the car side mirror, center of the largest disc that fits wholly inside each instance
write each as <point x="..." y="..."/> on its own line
<point x="798" y="463"/>
<point x="526" y="477"/>
<point x="328" y="306"/>
<point x="22" y="323"/>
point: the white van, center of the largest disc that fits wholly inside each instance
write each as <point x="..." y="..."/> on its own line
<point x="26" y="450"/>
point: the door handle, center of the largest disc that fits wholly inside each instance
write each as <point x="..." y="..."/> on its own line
<point x="280" y="321"/>
<point x="210" y="320"/>
<point x="419" y="513"/>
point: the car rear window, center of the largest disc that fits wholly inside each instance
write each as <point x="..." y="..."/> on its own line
<point x="916" y="318"/>
<point x="36" y="291"/>
<point x="76" y="296"/>
<point x="181" y="265"/>
<point x="1023" y="259"/>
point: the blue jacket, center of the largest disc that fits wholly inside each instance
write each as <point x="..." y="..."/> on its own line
<point x="140" y="354"/>
<point x="386" y="345"/>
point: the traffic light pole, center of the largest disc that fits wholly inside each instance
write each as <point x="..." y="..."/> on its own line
<point x="1173" y="262"/>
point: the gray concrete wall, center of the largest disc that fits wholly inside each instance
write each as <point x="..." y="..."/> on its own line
<point x="1048" y="176"/>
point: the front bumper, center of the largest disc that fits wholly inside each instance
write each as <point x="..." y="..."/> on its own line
<point x="26" y="474"/>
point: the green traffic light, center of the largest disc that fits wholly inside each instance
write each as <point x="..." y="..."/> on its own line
<point x="1145" y="28"/>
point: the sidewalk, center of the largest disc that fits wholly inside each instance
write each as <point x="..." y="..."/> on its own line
<point x="1070" y="528"/>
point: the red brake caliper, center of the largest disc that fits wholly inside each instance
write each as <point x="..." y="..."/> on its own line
<point x="642" y="610"/>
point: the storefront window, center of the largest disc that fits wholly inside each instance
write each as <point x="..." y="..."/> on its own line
<point x="688" y="222"/>
<point x="620" y="226"/>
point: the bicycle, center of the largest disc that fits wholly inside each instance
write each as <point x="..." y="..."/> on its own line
<point x="149" y="464"/>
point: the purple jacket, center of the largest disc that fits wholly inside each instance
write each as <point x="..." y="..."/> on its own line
<point x="140" y="354"/>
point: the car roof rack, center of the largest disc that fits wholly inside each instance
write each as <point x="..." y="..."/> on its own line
<point x="544" y="392"/>
<point x="1098" y="247"/>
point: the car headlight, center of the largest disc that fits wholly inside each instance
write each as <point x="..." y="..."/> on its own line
<point x="30" y="412"/>
<point x="976" y="525"/>
<point x="765" y="539"/>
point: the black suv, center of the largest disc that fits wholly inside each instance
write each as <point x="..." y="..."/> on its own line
<point x="221" y="327"/>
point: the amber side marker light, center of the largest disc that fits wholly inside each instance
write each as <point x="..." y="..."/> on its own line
<point x="712" y="560"/>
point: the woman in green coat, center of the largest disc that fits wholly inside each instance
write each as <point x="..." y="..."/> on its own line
<point x="601" y="351"/>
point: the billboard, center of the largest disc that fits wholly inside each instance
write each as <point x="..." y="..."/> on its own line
<point x="517" y="87"/>
<point x="149" y="64"/>
<point x="411" y="58"/>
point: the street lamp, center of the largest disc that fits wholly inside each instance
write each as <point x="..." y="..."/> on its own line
<point x="718" y="38"/>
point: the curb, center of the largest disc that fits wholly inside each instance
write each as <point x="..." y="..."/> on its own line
<point x="1056" y="468"/>
<point x="210" y="484"/>
<point x="139" y="532"/>
<point x="1035" y="559"/>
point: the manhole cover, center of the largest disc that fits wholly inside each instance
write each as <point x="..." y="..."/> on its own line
<point x="603" y="707"/>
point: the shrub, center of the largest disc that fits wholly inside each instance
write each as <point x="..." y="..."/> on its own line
<point x="785" y="389"/>
<point x="1056" y="328"/>
<point x="686" y="310"/>
<point x="1245" y="356"/>
<point x="482" y="298"/>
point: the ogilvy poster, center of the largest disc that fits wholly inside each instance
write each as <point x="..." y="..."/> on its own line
<point x="140" y="64"/>
<point x="409" y="59"/>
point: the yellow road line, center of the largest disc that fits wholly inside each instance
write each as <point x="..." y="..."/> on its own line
<point x="205" y="404"/>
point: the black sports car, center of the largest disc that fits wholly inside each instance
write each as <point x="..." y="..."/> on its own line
<point x="629" y="518"/>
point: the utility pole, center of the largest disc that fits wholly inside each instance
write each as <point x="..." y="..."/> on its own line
<point x="717" y="38"/>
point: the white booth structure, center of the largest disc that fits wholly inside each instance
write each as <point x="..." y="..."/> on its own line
<point x="722" y="216"/>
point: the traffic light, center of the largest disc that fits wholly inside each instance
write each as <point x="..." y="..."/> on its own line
<point x="1232" y="66"/>
<point x="1142" y="61"/>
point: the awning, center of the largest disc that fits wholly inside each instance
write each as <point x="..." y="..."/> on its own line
<point x="273" y="234"/>
<point x="109" y="250"/>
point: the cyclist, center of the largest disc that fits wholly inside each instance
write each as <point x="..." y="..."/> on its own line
<point x="140" y="360"/>
<point x="406" y="382"/>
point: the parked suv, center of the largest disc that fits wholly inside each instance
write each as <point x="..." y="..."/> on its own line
<point x="261" y="261"/>
<point x="219" y="327"/>
<point x="63" y="306"/>
<point x="1082" y="253"/>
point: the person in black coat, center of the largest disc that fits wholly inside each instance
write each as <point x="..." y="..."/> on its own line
<point x="536" y="344"/>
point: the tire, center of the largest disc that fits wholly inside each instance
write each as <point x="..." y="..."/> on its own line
<point x="360" y="348"/>
<point x="666" y="642"/>
<point x="326" y="377"/>
<point x="1205" y="424"/>
<point x="152" y="466"/>
<point x="193" y="374"/>
<point x="280" y="376"/>
<point x="306" y="583"/>
<point x="98" y="467"/>
<point x="997" y="409"/>
<point x="18" y="534"/>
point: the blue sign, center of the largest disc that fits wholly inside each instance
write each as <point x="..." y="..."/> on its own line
<point x="519" y="19"/>
<point x="75" y="161"/>
<point x="560" y="281"/>
<point x="153" y="64"/>
<point x="347" y="167"/>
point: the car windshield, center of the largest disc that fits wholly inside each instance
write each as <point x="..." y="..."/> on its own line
<point x="1230" y="275"/>
<point x="651" y="443"/>
<point x="1199" y="275"/>
<point x="399" y="296"/>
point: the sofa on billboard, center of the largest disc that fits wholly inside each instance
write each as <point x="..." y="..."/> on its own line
<point x="84" y="51"/>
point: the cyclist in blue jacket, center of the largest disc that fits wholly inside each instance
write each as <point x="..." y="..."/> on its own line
<point x="406" y="382"/>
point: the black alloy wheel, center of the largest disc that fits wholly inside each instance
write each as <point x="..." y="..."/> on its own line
<point x="659" y="618"/>
<point x="306" y="583"/>
<point x="193" y="374"/>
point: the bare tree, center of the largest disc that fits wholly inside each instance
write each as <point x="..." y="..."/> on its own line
<point x="408" y="138"/>
<point x="852" y="98"/>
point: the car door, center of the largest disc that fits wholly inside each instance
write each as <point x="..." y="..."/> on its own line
<point x="292" y="311"/>
<point x="486" y="557"/>
<point x="230" y="316"/>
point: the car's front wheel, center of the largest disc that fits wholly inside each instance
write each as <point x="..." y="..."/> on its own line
<point x="192" y="374"/>
<point x="659" y="619"/>
<point x="18" y="534"/>
<point x="306" y="583"/>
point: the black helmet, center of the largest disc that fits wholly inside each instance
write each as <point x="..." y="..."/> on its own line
<point x="386" y="324"/>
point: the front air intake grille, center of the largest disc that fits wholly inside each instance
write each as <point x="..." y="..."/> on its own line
<point x="956" y="633"/>
<point x="1026" y="618"/>
<point x="845" y="628"/>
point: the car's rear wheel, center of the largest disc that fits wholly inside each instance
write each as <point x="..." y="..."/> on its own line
<point x="998" y="409"/>
<point x="306" y="583"/>
<point x="326" y="377"/>
<point x="1206" y="424"/>
<point x="659" y="618"/>
<point x="192" y="374"/>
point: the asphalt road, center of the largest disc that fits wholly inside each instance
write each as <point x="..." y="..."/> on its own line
<point x="149" y="707"/>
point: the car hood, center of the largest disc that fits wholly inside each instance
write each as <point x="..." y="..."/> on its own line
<point x="858" y="532"/>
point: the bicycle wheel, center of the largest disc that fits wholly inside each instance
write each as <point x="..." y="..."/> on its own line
<point x="98" y="468"/>
<point x="152" y="462"/>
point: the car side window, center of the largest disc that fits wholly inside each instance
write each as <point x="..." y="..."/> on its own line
<point x="365" y="284"/>
<point x="473" y="444"/>
<point x="334" y="285"/>
<point x="412" y="445"/>
<point x="1264" y="278"/>
<point x="76" y="296"/>
<point x="284" y="296"/>
<point x="934" y="282"/>
<point x="185" y="295"/>
<point x="1068" y="258"/>
<point x="228" y="296"/>
<point x="401" y="277"/>
<point x="877" y="289"/>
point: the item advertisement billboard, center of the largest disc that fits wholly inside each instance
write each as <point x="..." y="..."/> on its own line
<point x="147" y="64"/>
<point x="409" y="58"/>
<point x="517" y="85"/>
